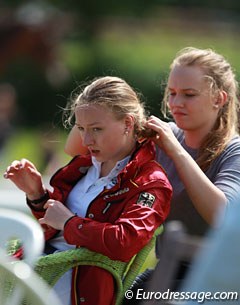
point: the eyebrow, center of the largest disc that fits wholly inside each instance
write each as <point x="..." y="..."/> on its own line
<point x="185" y="89"/>
<point x="92" y="124"/>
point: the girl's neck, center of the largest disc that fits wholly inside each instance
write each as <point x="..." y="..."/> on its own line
<point x="107" y="166"/>
<point x="194" y="139"/>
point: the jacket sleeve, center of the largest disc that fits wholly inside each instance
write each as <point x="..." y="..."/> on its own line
<point x="144" y="212"/>
<point x="49" y="232"/>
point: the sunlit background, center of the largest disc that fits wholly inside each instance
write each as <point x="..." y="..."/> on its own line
<point x="47" y="48"/>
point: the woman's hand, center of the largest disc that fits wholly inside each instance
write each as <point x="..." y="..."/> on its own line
<point x="56" y="214"/>
<point x="26" y="177"/>
<point x="165" y="138"/>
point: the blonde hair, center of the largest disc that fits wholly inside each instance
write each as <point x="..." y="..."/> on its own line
<point x="220" y="76"/>
<point x="115" y="94"/>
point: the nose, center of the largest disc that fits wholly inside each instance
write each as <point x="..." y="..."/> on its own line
<point x="87" y="139"/>
<point x="176" y="101"/>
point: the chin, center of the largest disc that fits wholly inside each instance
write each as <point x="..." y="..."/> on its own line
<point x="99" y="159"/>
<point x="182" y="125"/>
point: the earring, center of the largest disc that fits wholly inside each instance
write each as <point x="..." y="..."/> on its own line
<point x="126" y="132"/>
<point x="215" y="106"/>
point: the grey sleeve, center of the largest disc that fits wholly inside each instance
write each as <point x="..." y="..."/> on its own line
<point x="225" y="171"/>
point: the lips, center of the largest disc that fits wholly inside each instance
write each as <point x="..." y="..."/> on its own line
<point x="94" y="151"/>
<point x="179" y="114"/>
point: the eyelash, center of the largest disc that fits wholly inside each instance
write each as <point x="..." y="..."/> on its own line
<point x="186" y="94"/>
<point x="81" y="129"/>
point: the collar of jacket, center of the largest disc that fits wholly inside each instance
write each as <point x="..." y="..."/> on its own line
<point x="144" y="152"/>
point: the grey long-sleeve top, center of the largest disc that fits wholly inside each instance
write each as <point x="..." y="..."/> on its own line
<point x="224" y="173"/>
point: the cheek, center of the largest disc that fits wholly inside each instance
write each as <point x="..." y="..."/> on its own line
<point x="113" y="140"/>
<point x="109" y="139"/>
<point x="201" y="106"/>
<point x="170" y="101"/>
<point x="170" y="106"/>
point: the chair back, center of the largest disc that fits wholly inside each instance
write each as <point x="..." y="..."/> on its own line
<point x="17" y="226"/>
<point x="20" y="285"/>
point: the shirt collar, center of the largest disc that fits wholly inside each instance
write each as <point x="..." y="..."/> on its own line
<point x="115" y="171"/>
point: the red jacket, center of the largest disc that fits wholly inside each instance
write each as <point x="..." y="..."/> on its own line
<point x="118" y="222"/>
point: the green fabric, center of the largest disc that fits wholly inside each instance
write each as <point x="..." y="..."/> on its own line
<point x="52" y="267"/>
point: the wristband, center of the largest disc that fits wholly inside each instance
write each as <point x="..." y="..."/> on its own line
<point x="39" y="200"/>
<point x="69" y="219"/>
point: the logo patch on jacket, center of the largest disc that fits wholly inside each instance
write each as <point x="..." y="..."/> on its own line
<point x="146" y="199"/>
<point x="118" y="193"/>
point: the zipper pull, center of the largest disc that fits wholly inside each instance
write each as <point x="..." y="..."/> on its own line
<point x="106" y="207"/>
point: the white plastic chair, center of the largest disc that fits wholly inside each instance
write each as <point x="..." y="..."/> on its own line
<point x="20" y="285"/>
<point x="17" y="225"/>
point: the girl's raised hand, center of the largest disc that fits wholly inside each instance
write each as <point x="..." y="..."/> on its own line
<point x="165" y="138"/>
<point x="26" y="177"/>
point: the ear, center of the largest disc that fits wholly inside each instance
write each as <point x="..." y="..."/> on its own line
<point x="220" y="99"/>
<point x="129" y="122"/>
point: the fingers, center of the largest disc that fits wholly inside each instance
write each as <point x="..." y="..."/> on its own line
<point x="56" y="214"/>
<point x="162" y="129"/>
<point x="153" y="123"/>
<point x="27" y="164"/>
<point x="17" y="166"/>
<point x="157" y="124"/>
<point x="11" y="169"/>
<point x="49" y="203"/>
<point x="41" y="221"/>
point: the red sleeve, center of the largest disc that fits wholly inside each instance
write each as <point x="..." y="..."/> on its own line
<point x="49" y="232"/>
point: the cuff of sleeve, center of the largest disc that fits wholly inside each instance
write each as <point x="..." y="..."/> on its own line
<point x="33" y="204"/>
<point x="69" y="220"/>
